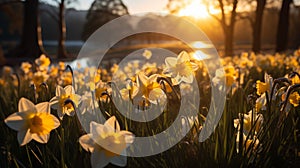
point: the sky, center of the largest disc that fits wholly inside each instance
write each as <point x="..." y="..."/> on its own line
<point x="134" y="6"/>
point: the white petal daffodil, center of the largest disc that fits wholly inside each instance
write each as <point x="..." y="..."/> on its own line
<point x="32" y="121"/>
<point x="65" y="101"/>
<point x="88" y="102"/>
<point x="181" y="68"/>
<point x="107" y="143"/>
<point x="148" y="91"/>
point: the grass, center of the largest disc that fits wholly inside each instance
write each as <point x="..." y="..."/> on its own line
<point x="278" y="134"/>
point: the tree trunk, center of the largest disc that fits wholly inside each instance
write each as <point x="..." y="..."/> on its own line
<point x="31" y="44"/>
<point x="61" y="51"/>
<point x="283" y="26"/>
<point x="256" y="45"/>
<point x="228" y="35"/>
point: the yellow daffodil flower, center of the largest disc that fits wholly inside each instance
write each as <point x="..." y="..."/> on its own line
<point x="88" y="102"/>
<point x="26" y="67"/>
<point x="129" y="91"/>
<point x="249" y="120"/>
<point x="39" y="77"/>
<point x="294" y="98"/>
<point x="43" y="62"/>
<point x="32" y="122"/>
<point x="65" y="101"/>
<point x="147" y="54"/>
<point x="181" y="68"/>
<point x="295" y="80"/>
<point x="148" y="90"/>
<point x="61" y="66"/>
<point x="106" y="143"/>
<point x="262" y="87"/>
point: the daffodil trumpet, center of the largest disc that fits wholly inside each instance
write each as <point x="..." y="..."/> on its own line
<point x="289" y="91"/>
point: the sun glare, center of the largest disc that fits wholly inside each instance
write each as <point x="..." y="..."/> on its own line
<point x="197" y="10"/>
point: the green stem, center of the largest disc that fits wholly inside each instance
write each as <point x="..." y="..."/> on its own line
<point x="28" y="155"/>
<point x="62" y="145"/>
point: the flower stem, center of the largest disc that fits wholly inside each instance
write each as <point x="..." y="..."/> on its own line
<point x="62" y="145"/>
<point x="28" y="155"/>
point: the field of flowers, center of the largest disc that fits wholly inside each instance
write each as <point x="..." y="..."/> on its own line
<point x="44" y="113"/>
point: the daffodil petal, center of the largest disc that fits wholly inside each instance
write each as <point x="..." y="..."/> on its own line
<point x="157" y="95"/>
<point x="119" y="160"/>
<point x="69" y="89"/>
<point x="60" y="91"/>
<point x="171" y="61"/>
<point x="16" y="121"/>
<point x="24" y="137"/>
<point x="129" y="137"/>
<point x="26" y="105"/>
<point x="188" y="79"/>
<point x="113" y="123"/>
<point x="56" y="122"/>
<point x="142" y="80"/>
<point x="183" y="57"/>
<point x="153" y="78"/>
<point x="87" y="142"/>
<point x="54" y="102"/>
<point x="41" y="138"/>
<point x="43" y="107"/>
<point x="99" y="159"/>
<point x="60" y="113"/>
<point x="96" y="130"/>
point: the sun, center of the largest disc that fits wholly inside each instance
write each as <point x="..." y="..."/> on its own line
<point x="196" y="9"/>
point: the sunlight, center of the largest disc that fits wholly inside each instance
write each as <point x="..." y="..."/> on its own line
<point x="201" y="44"/>
<point x="197" y="9"/>
<point x="199" y="55"/>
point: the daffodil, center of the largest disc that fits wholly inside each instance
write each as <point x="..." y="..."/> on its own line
<point x="32" y="121"/>
<point x="102" y="87"/>
<point x="147" y="54"/>
<point x="66" y="78"/>
<point x="61" y="66"/>
<point x="148" y="90"/>
<point x="293" y="99"/>
<point x="43" y="62"/>
<point x="39" y="77"/>
<point x="228" y="75"/>
<point x="181" y="68"/>
<point x="26" y="67"/>
<point x="250" y="120"/>
<point x="88" y="102"/>
<point x="295" y="80"/>
<point x="107" y="143"/>
<point x="65" y="101"/>
<point x="129" y="91"/>
<point x="261" y="103"/>
<point x="7" y="71"/>
<point x="262" y="87"/>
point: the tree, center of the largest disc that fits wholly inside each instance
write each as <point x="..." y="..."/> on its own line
<point x="257" y="25"/>
<point x="61" y="51"/>
<point x="227" y="24"/>
<point x="61" y="22"/>
<point x="31" y="44"/>
<point x="283" y="26"/>
<point x="101" y="12"/>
